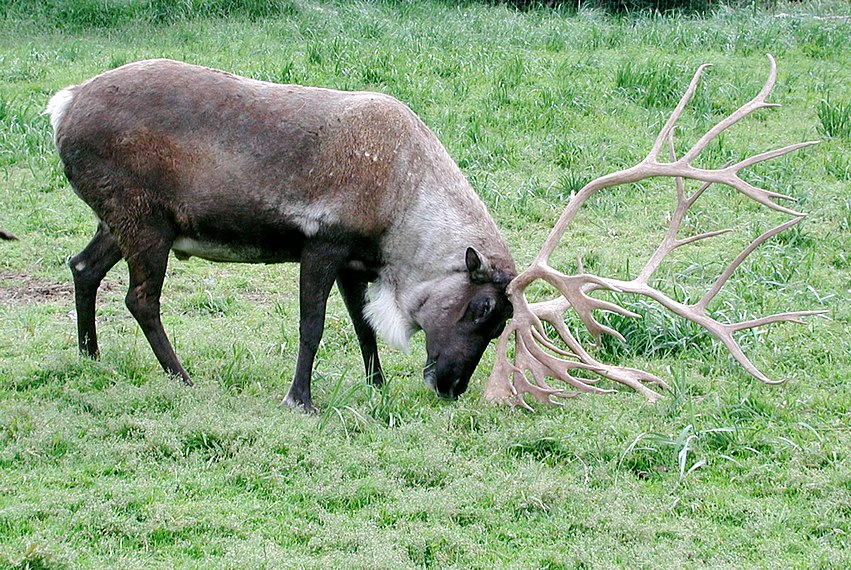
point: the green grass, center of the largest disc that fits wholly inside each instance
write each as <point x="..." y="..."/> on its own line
<point x="112" y="464"/>
<point x="835" y="118"/>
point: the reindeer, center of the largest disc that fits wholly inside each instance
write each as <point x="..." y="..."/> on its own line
<point x="353" y="185"/>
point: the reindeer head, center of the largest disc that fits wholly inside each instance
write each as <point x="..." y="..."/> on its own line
<point x="460" y="318"/>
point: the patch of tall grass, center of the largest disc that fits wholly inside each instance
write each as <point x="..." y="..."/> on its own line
<point x="88" y="14"/>
<point x="834" y="118"/>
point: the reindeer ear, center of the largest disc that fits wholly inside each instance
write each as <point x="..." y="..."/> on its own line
<point x="478" y="267"/>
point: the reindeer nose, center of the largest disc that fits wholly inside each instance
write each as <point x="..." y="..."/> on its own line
<point x="430" y="378"/>
<point x="454" y="391"/>
<point x="451" y="394"/>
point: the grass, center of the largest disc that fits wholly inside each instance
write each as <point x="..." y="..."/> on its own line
<point x="835" y="119"/>
<point x="112" y="464"/>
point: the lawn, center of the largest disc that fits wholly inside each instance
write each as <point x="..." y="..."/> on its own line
<point x="110" y="463"/>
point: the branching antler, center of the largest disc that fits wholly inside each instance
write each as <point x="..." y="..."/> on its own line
<point x="537" y="357"/>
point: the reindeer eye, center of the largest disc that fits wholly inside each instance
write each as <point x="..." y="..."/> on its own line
<point x="481" y="308"/>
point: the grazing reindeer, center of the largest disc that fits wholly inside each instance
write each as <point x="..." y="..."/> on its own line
<point x="353" y="186"/>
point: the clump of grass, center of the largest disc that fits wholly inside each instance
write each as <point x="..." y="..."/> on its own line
<point x="651" y="84"/>
<point x="22" y="128"/>
<point x="15" y="425"/>
<point x="834" y="118"/>
<point x="570" y="182"/>
<point x="235" y="373"/>
<point x="38" y="555"/>
<point x="649" y="454"/>
<point x="822" y="39"/>
<point x="656" y="333"/>
<point x="549" y="450"/>
<point x="362" y="407"/>
<point x="838" y="165"/>
<point x="206" y="303"/>
<point x="568" y="152"/>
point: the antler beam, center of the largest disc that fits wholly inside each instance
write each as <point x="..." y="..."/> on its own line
<point x="537" y="357"/>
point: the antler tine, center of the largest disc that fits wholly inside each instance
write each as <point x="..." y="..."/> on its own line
<point x="739" y="355"/>
<point x="670" y="242"/>
<point x="761" y="196"/>
<point x="719" y="283"/>
<point x="606" y="371"/>
<point x="544" y="341"/>
<point x="757" y="102"/>
<point x="538" y="357"/>
<point x="667" y="130"/>
<point x="790" y="316"/>
<point x="704" y="235"/>
<point x="768" y="155"/>
<point x="530" y="359"/>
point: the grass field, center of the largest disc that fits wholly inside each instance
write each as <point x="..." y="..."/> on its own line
<point x="111" y="464"/>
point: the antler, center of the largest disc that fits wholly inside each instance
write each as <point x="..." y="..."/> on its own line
<point x="537" y="357"/>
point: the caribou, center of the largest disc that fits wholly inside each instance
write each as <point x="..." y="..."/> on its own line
<point x="352" y="185"/>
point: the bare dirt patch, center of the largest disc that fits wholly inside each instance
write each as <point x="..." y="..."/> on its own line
<point x="18" y="288"/>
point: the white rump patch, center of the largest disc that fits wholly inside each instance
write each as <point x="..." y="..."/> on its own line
<point x="386" y="318"/>
<point x="56" y="108"/>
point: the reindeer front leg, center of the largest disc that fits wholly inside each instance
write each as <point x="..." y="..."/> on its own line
<point x="321" y="260"/>
<point x="353" y="290"/>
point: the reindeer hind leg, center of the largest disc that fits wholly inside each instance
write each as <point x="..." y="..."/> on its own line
<point x="146" y="250"/>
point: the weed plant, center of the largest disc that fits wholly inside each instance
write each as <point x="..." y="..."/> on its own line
<point x="109" y="463"/>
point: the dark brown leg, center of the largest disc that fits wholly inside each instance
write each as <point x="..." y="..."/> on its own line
<point x="320" y="263"/>
<point x="353" y="290"/>
<point x="147" y="265"/>
<point x="88" y="269"/>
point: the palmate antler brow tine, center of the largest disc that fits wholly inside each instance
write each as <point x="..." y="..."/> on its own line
<point x="537" y="357"/>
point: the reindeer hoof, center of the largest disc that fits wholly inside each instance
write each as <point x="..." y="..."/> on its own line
<point x="296" y="404"/>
